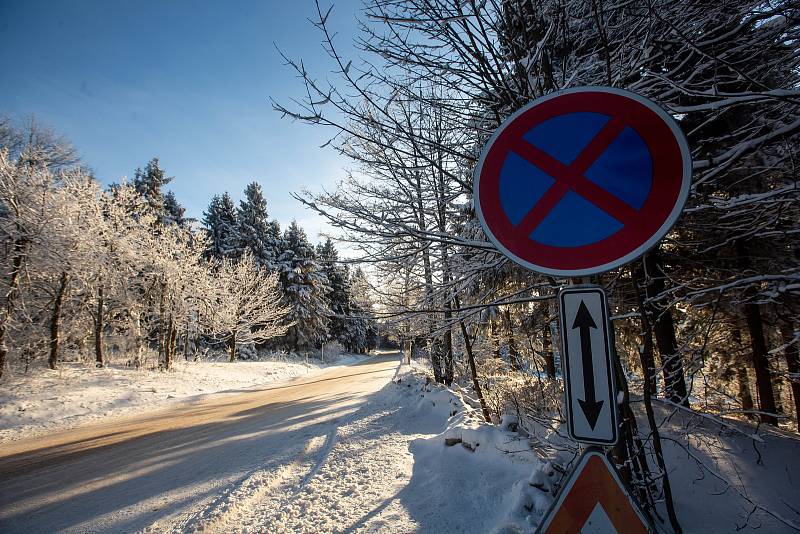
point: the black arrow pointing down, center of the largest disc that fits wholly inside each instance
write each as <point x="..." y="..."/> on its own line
<point x="591" y="406"/>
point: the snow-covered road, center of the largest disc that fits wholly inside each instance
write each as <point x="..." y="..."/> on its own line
<point x="232" y="462"/>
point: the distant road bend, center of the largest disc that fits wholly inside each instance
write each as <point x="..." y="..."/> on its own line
<point x="127" y="474"/>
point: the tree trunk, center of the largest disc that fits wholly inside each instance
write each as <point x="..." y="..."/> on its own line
<point x="473" y="371"/>
<point x="171" y="344"/>
<point x="766" y="396"/>
<point x="448" y="370"/>
<point x="646" y="353"/>
<point x="744" y="387"/>
<point x="648" y="370"/>
<point x="55" y="320"/>
<point x="20" y="246"/>
<point x="742" y="378"/>
<point x="232" y="348"/>
<point x="792" y="365"/>
<point x="436" y="359"/>
<point x="547" y="349"/>
<point x="98" y="330"/>
<point x="428" y="273"/>
<point x="664" y="330"/>
<point x="441" y="205"/>
<point x="186" y="346"/>
<point x="493" y="335"/>
<point x="758" y="344"/>
<point x="161" y="327"/>
<point x="137" y="359"/>
<point x="513" y="355"/>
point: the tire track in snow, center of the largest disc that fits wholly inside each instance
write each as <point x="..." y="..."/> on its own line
<point x="226" y="512"/>
<point x="356" y="482"/>
<point x="327" y="447"/>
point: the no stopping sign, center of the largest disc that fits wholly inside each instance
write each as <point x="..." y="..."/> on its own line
<point x="582" y="181"/>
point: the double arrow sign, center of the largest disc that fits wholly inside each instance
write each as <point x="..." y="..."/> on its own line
<point x="587" y="360"/>
<point x="593" y="499"/>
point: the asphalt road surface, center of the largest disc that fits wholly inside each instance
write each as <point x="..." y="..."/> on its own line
<point x="126" y="474"/>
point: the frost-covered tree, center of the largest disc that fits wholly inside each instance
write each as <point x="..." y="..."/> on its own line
<point x="24" y="216"/>
<point x="247" y="304"/>
<point x="38" y="143"/>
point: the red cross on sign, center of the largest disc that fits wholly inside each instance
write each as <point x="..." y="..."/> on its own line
<point x="594" y="500"/>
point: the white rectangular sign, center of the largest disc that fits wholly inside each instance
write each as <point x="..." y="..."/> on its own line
<point x="587" y="365"/>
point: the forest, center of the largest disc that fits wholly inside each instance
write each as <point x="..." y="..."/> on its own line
<point x="120" y="272"/>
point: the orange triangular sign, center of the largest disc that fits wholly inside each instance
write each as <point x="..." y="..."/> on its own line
<point x="594" y="501"/>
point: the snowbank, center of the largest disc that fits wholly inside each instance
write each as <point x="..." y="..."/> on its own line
<point x="730" y="477"/>
<point x="726" y="477"/>
<point x="475" y="476"/>
<point x="46" y="400"/>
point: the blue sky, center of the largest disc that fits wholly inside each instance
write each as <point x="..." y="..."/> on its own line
<point x="187" y="81"/>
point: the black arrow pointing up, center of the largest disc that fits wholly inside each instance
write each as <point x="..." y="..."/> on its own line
<point x="591" y="406"/>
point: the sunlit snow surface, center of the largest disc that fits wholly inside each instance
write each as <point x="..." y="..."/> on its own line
<point x="362" y="449"/>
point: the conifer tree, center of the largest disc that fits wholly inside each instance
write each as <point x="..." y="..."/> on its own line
<point x="222" y="227"/>
<point x="256" y="232"/>
<point x="363" y="318"/>
<point x="338" y="294"/>
<point x="305" y="286"/>
<point x="150" y="183"/>
<point x="173" y="211"/>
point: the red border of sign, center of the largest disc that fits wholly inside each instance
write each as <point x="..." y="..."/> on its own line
<point x="670" y="187"/>
<point x="574" y="476"/>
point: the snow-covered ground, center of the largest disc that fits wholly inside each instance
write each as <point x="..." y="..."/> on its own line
<point x="387" y="468"/>
<point x="416" y="458"/>
<point x="371" y="449"/>
<point x="46" y="400"/>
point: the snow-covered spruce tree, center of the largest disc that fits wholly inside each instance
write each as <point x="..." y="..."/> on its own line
<point x="247" y="304"/>
<point x="361" y="296"/>
<point x="174" y="213"/>
<point x="222" y="228"/>
<point x="304" y="287"/>
<point x="343" y="324"/>
<point x="257" y="233"/>
<point x="150" y="183"/>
